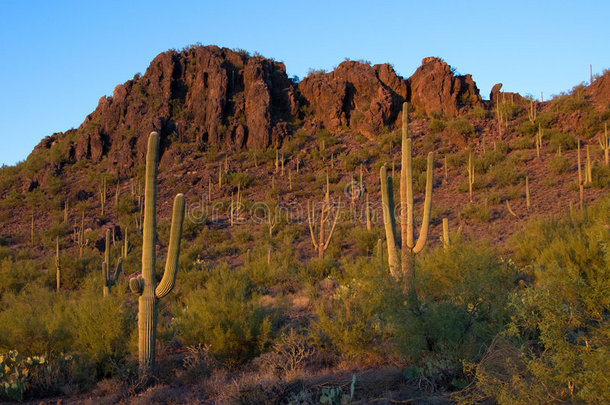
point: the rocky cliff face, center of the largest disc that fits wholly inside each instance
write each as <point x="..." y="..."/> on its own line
<point x="205" y="95"/>
<point x="434" y="87"/>
<point x="216" y="96"/>
<point x="355" y="95"/>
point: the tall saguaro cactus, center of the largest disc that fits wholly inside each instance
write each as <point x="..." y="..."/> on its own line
<point x="407" y="248"/>
<point x="145" y="286"/>
<point x="604" y="142"/>
<point x="109" y="281"/>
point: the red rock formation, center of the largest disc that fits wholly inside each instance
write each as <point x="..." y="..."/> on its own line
<point x="205" y="95"/>
<point x="355" y="95"/>
<point x="434" y="87"/>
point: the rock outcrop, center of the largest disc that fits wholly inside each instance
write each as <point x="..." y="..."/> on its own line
<point x="355" y="95"/>
<point x="205" y="95"/>
<point x="229" y="99"/>
<point x="434" y="87"/>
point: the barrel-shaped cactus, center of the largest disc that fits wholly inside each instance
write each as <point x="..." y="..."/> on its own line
<point x="402" y="249"/>
<point x="145" y="286"/>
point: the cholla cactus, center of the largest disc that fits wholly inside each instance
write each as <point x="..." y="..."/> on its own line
<point x="406" y="248"/>
<point x="145" y="286"/>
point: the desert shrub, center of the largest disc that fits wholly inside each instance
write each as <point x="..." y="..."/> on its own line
<point x="510" y="110"/>
<point x="559" y="164"/>
<point x="527" y="128"/>
<point x="489" y="159"/>
<point x="34" y="322"/>
<point x="522" y="143"/>
<point x="600" y="176"/>
<point x="479" y="112"/>
<point x="243" y="179"/>
<point x="558" y="139"/>
<point x="365" y="241"/>
<point x="505" y="174"/>
<point x="462" y="127"/>
<point x="317" y="269"/>
<point x="227" y="316"/>
<point x="324" y="136"/>
<point x="358" y="318"/>
<point x="101" y="326"/>
<point x="560" y="321"/>
<point x="463" y="292"/>
<point x="16" y="275"/>
<point x="479" y="212"/>
<point x="436" y="125"/>
<point x="501" y="147"/>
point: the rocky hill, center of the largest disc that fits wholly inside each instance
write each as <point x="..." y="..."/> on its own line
<point x="216" y="100"/>
<point x="256" y="315"/>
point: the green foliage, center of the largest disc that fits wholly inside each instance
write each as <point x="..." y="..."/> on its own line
<point x="15" y="372"/>
<point x="35" y="321"/>
<point x="464" y="292"/>
<point x="561" y="320"/>
<point x="558" y="138"/>
<point x="101" y="327"/>
<point x="436" y="125"/>
<point x="462" y="127"/>
<point x="227" y="315"/>
<point x="479" y="212"/>
<point x="600" y="176"/>
<point x="559" y="164"/>
<point x="357" y="319"/>
<point x="522" y="143"/>
<point x="505" y="174"/>
<point x="479" y="112"/>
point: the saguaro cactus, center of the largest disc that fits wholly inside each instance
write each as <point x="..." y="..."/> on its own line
<point x="145" y="286"/>
<point x="109" y="281"/>
<point x="604" y="142"/>
<point x="408" y="247"/>
<point x="57" y="266"/>
<point x="322" y="243"/>
<point x="470" y="175"/>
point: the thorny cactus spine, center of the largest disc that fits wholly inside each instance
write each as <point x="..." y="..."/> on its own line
<point x="145" y="287"/>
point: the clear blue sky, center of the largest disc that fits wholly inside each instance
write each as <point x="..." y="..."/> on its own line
<point x="57" y="58"/>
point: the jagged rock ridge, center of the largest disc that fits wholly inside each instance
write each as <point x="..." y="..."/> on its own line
<point x="217" y="96"/>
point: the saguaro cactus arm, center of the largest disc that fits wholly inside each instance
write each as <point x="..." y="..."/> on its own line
<point x="388" y="219"/>
<point x="171" y="264"/>
<point x="423" y="233"/>
<point x="136" y="286"/>
<point x="310" y="220"/>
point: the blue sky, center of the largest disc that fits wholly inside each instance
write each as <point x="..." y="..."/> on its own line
<point x="57" y="58"/>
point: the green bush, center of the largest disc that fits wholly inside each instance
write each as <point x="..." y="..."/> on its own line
<point x="101" y="326"/>
<point x="560" y="321"/>
<point x="436" y="125"/>
<point x="558" y="139"/>
<point x="357" y="320"/>
<point x="35" y="321"/>
<point x="462" y="127"/>
<point x="559" y="164"/>
<point x="476" y="211"/>
<point x="227" y="315"/>
<point x="463" y="292"/>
